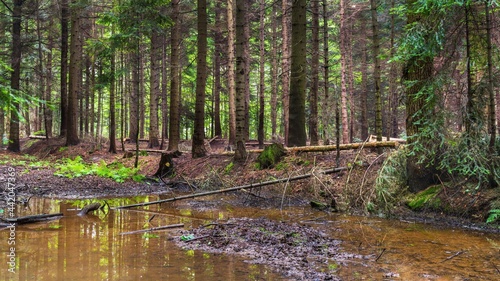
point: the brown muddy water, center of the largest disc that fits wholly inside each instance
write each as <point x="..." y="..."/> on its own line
<point x="93" y="248"/>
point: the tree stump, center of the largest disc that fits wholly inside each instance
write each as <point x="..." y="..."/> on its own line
<point x="166" y="165"/>
<point x="271" y="155"/>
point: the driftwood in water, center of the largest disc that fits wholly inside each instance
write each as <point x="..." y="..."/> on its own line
<point x="89" y="208"/>
<point x="248" y="186"/>
<point x="154" y="229"/>
<point x="31" y="219"/>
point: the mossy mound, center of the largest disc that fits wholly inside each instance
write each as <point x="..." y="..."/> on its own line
<point x="426" y="198"/>
<point x="271" y="155"/>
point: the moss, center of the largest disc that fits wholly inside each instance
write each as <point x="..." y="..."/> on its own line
<point x="271" y="155"/>
<point x="426" y="198"/>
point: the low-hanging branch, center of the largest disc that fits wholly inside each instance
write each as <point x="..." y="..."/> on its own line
<point x="248" y="186"/>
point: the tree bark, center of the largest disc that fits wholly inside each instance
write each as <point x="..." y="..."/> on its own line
<point x="174" y="126"/>
<point x="297" y="133"/>
<point x="240" y="152"/>
<point x="154" y="86"/>
<point x="112" y="112"/>
<point x="274" y="74"/>
<point x="345" y="40"/>
<point x="65" y="15"/>
<point x="231" y="71"/>
<point x="313" y="94"/>
<point x="376" y="71"/>
<point x="198" y="148"/>
<point x="260" y="132"/>
<point x="285" y="66"/>
<point x="75" y="76"/>
<point x="326" y="95"/>
<point x="15" y="78"/>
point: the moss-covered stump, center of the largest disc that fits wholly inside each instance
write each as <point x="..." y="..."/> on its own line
<point x="427" y="198"/>
<point x="271" y="156"/>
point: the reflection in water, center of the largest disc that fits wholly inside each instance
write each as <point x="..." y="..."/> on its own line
<point x="92" y="248"/>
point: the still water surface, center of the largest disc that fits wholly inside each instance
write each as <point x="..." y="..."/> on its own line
<point x="92" y="247"/>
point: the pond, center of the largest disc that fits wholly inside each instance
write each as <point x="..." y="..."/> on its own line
<point x="94" y="248"/>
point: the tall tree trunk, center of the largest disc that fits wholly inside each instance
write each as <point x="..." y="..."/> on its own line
<point x="393" y="89"/>
<point x="246" y="57"/>
<point x="174" y="127"/>
<point x="134" y="97"/>
<point x="154" y="86"/>
<point x="491" y="99"/>
<point x="65" y="15"/>
<point x="15" y="78"/>
<point x="164" y="87"/>
<point x="219" y="41"/>
<point x="297" y="133"/>
<point x="47" y="111"/>
<point x="240" y="153"/>
<point x="142" y="93"/>
<point x="326" y="96"/>
<point x="285" y="65"/>
<point x="75" y="76"/>
<point x="198" y="148"/>
<point x="376" y="71"/>
<point x="363" y="97"/>
<point x="345" y="40"/>
<point x="313" y="94"/>
<point x="231" y="72"/>
<point x="418" y="72"/>
<point x="274" y="74"/>
<point x="262" y="74"/>
<point x="112" y="118"/>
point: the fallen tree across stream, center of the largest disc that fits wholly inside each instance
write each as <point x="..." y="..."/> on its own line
<point x="247" y="186"/>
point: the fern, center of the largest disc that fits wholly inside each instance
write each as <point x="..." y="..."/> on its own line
<point x="493" y="216"/>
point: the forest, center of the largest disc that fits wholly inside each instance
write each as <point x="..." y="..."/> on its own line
<point x="297" y="72"/>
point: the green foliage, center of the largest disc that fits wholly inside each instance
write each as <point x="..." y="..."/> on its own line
<point x="426" y="198"/>
<point x="493" y="216"/>
<point x="390" y="184"/>
<point x="468" y="157"/>
<point x="148" y="235"/>
<point x="271" y="155"/>
<point x="228" y="168"/>
<point x="115" y="171"/>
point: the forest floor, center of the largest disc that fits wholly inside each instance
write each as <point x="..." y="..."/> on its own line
<point x="347" y="191"/>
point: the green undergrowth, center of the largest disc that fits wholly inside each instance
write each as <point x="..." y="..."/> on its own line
<point x="74" y="168"/>
<point x="390" y="184"/>
<point x="426" y="199"/>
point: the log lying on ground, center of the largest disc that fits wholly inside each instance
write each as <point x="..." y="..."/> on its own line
<point x="248" y="186"/>
<point x="154" y="229"/>
<point x="31" y="219"/>
<point x="38" y="137"/>
<point x="89" y="208"/>
<point x="326" y="148"/>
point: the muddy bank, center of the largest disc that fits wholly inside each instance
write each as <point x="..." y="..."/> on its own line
<point x="298" y="252"/>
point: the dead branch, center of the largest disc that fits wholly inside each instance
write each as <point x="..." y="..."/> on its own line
<point x="248" y="186"/>
<point x="31" y="219"/>
<point x="453" y="256"/>
<point x="154" y="229"/>
<point x="89" y="208"/>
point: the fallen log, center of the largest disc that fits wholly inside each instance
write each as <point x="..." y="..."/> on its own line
<point x="31" y="219"/>
<point x="248" y="186"/>
<point x="154" y="229"/>
<point x="326" y="148"/>
<point x="38" y="137"/>
<point x="89" y="208"/>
